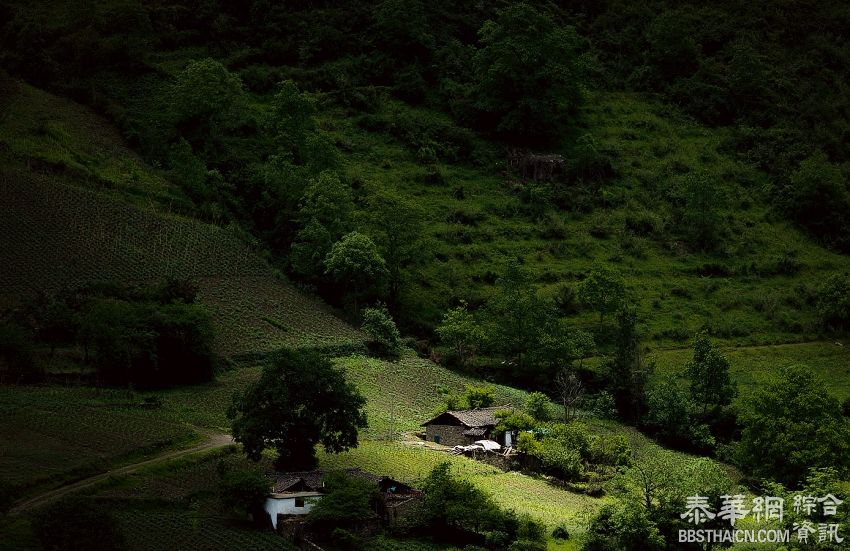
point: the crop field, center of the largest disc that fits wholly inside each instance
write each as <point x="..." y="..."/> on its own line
<point x="254" y="315"/>
<point x="752" y="367"/>
<point x="523" y="493"/>
<point x="60" y="236"/>
<point x="403" y="394"/>
<point x="50" y="434"/>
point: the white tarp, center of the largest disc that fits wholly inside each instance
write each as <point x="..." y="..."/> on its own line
<point x="488" y="445"/>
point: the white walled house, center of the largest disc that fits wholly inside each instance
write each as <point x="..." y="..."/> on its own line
<point x="290" y="503"/>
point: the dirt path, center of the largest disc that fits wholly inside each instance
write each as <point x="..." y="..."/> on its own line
<point x="214" y="441"/>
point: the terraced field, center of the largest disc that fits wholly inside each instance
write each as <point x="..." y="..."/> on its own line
<point x="50" y="434"/>
<point x="58" y="236"/>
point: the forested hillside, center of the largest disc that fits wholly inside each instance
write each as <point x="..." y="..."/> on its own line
<point x="636" y="210"/>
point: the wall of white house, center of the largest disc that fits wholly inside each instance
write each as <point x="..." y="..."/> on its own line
<point x="287" y="506"/>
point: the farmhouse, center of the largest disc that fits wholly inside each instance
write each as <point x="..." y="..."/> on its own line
<point x="294" y="494"/>
<point x="464" y="427"/>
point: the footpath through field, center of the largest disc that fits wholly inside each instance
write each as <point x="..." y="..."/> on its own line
<point x="213" y="441"/>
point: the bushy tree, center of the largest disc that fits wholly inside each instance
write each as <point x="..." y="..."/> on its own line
<point x="818" y="199"/>
<point x="245" y="490"/>
<point x="206" y="101"/>
<point x="670" y="415"/>
<point x="453" y="506"/>
<point x="290" y="121"/>
<point x="529" y="74"/>
<point x="623" y="527"/>
<point x="311" y="245"/>
<point x="711" y="387"/>
<point x="354" y="263"/>
<point x="300" y="400"/>
<point x="791" y="425"/>
<point x="537" y="406"/>
<point x="396" y="225"/>
<point x="347" y="500"/>
<point x="379" y="325"/>
<point x="627" y="373"/>
<point x="833" y="302"/>
<point x="603" y="290"/>
<point x="461" y="331"/>
<point x="327" y="199"/>
<point x="479" y="396"/>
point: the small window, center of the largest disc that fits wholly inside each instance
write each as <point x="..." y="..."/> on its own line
<point x="299" y="502"/>
<point x="437" y="438"/>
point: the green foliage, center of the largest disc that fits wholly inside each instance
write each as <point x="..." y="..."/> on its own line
<point x="711" y="386"/>
<point x="354" y="263"/>
<point x="670" y="415"/>
<point x="627" y="373"/>
<point x="699" y="217"/>
<point x="245" y="490"/>
<point x="603" y="290"/>
<point x="792" y="425"/>
<point x="622" y="527"/>
<point x="460" y="330"/>
<point x="833" y="302"/>
<point x="818" y="199"/>
<point x="512" y="420"/>
<point x="311" y="245"/>
<point x="327" y="200"/>
<point x="74" y="524"/>
<point x="451" y="505"/>
<point x="300" y="400"/>
<point x="537" y="406"/>
<point x="528" y="74"/>
<point x="379" y="325"/>
<point x="290" y="121"/>
<point x="479" y="396"/>
<point x="206" y="101"/>
<point x="147" y="344"/>
<point x="347" y="500"/>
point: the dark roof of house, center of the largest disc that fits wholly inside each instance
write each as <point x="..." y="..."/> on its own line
<point x="472" y="418"/>
<point x="302" y="481"/>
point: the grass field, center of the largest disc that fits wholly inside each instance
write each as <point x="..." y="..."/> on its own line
<point x="474" y="221"/>
<point x="752" y="367"/>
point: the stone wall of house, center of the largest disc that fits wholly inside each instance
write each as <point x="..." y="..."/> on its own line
<point x="450" y="435"/>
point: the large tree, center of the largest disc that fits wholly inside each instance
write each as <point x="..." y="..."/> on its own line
<point x="300" y="400"/>
<point x="711" y="387"/>
<point x="792" y="425"/>
<point x="354" y="263"/>
<point x="529" y="74"/>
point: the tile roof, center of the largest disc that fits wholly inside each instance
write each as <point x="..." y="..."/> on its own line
<point x="302" y="481"/>
<point x="473" y="418"/>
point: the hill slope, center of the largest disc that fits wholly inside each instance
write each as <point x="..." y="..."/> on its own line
<point x="70" y="217"/>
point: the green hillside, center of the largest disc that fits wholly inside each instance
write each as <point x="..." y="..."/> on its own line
<point x="637" y="212"/>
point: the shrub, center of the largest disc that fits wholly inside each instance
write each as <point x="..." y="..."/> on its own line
<point x="347" y="501"/>
<point x="833" y="302"/>
<point x="537" y="406"/>
<point x="381" y="328"/>
<point x="245" y="490"/>
<point x="561" y="533"/>
<point x="561" y="460"/>
<point x="818" y="199"/>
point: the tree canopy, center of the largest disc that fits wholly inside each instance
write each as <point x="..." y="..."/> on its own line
<point x="300" y="400"/>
